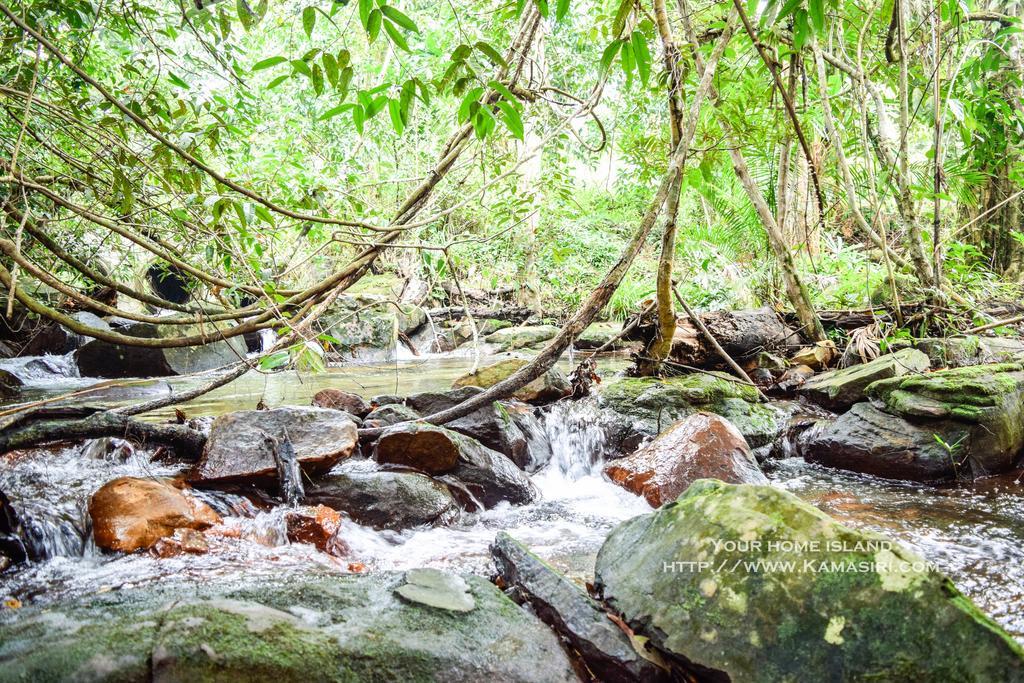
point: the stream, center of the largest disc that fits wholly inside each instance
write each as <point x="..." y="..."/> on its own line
<point x="975" y="534"/>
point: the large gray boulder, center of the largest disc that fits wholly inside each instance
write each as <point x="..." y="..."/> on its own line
<point x="238" y="449"/>
<point x="386" y="500"/>
<point x="344" y="628"/>
<point x="868" y="440"/>
<point x="748" y="583"/>
<point x="98" y="358"/>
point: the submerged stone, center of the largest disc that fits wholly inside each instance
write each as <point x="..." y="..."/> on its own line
<point x="386" y="500"/>
<point x="748" y="583"/>
<point x="527" y="336"/>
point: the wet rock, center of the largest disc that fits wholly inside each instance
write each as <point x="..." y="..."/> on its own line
<point x="386" y="500"/>
<point x="130" y="514"/>
<point x="390" y="414"/>
<point x="493" y="426"/>
<point x="437" y="588"/>
<point x="478" y="474"/>
<point x="183" y="542"/>
<point x="550" y="386"/>
<point x="840" y="389"/>
<point x="538" y="445"/>
<point x="342" y="400"/>
<point x="870" y="441"/>
<point x="317" y="526"/>
<point x="599" y="334"/>
<point x="97" y="358"/>
<point x="988" y="399"/>
<point x="326" y="628"/>
<point x="10" y="385"/>
<point x="55" y="339"/>
<point x="527" y="336"/>
<point x="463" y="331"/>
<point x="794" y="378"/>
<point x="770" y="361"/>
<point x="701" y="446"/>
<point x="13" y="548"/>
<point x="851" y="606"/>
<point x="654" y="404"/>
<point x="603" y="647"/>
<point x="238" y="450"/>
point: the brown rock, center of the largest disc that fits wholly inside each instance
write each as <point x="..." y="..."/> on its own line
<point x="184" y="541"/>
<point x="342" y="400"/>
<point x="701" y="446"/>
<point x="317" y="526"/>
<point x="238" y="450"/>
<point x="130" y="514"/>
<point x="424" y="447"/>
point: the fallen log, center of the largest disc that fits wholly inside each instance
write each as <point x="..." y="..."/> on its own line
<point x="514" y="314"/>
<point x="741" y="335"/>
<point x="42" y="427"/>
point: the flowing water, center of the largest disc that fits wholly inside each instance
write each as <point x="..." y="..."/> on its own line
<point x="975" y="534"/>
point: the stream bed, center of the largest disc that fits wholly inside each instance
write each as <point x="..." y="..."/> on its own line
<point x="975" y="534"/>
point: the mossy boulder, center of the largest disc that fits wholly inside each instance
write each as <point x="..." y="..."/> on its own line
<point x="367" y="326"/>
<point x="987" y="398"/>
<point x="524" y="337"/>
<point x="840" y="389"/>
<point x="748" y="583"/>
<point x="329" y="628"/>
<point x="599" y="334"/>
<point x="958" y="352"/>
<point x="550" y="386"/>
<point x="654" y="404"/>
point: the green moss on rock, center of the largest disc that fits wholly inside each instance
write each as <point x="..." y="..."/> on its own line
<point x="750" y="581"/>
<point x="656" y="403"/>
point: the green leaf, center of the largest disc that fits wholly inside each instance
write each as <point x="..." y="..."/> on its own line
<point x="801" y="29"/>
<point x="173" y="78"/>
<point x="787" y="9"/>
<point x="395" y="110"/>
<point x="542" y="7"/>
<point x="512" y="120"/>
<point x="628" y="62"/>
<point x="344" y="57"/>
<point x="365" y="7"/>
<point x="330" y="68"/>
<point x="492" y="55"/>
<point x="816" y="10"/>
<point x="278" y="81"/>
<point x="500" y="88"/>
<point x="263" y="213"/>
<point x="268" y="62"/>
<point x="308" y="21"/>
<point x="301" y="67"/>
<point x="561" y="9"/>
<point x="465" y="109"/>
<point x="619" y="23"/>
<point x="608" y="56"/>
<point x="642" y="55"/>
<point x="318" y="79"/>
<point x="399" y="18"/>
<point x="334" y="111"/>
<point x="373" y="24"/>
<point x="396" y="36"/>
<point x="358" y="117"/>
